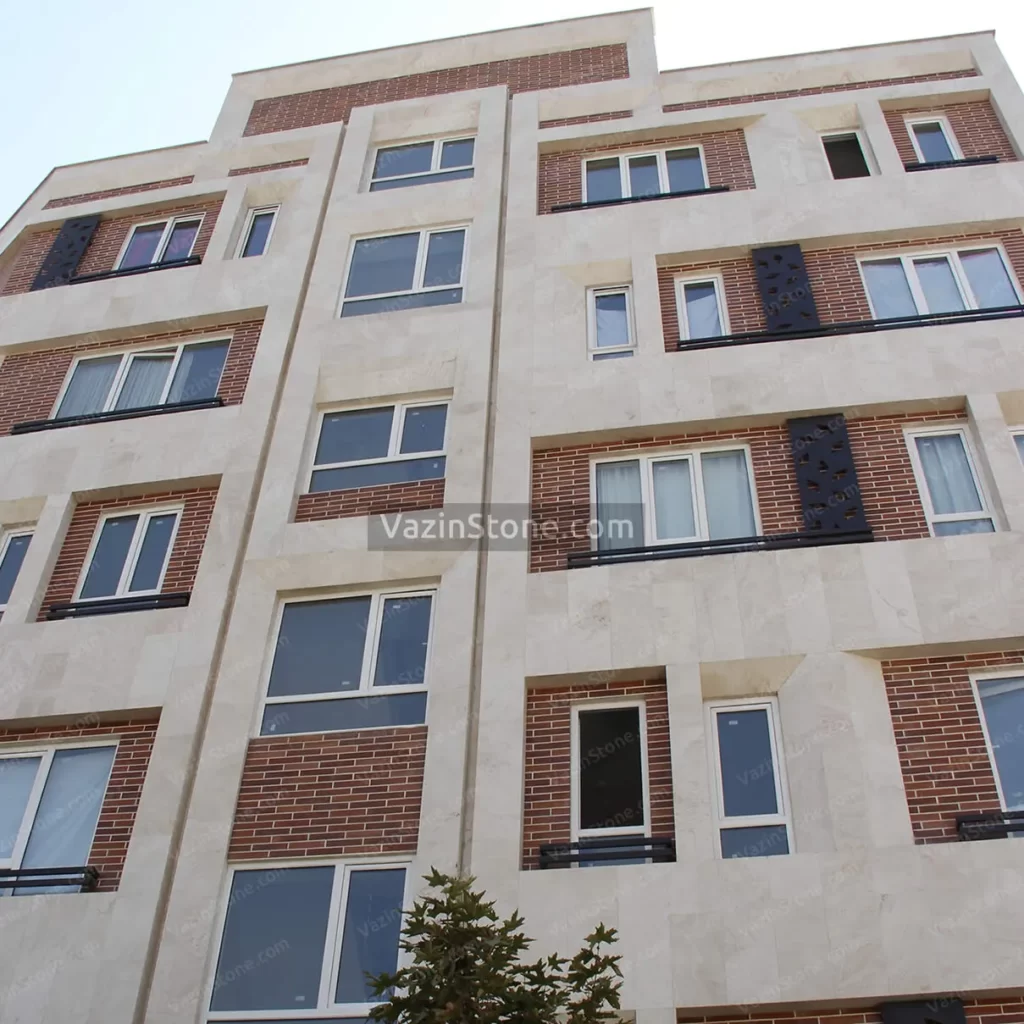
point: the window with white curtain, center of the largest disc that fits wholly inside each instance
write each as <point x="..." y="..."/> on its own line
<point x="701" y="307"/>
<point x="952" y="495"/>
<point x="631" y="175"/>
<point x="610" y="323"/>
<point x="142" y="378"/>
<point x="939" y="282"/>
<point x="50" y="801"/>
<point x="674" y="497"/>
<point x="163" y="241"/>
<point x="1002" y="714"/>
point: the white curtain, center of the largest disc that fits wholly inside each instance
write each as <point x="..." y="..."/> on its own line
<point x="673" y="500"/>
<point x="1003" y="703"/>
<point x="948" y="474"/>
<point x="619" y="505"/>
<point x="17" y="775"/>
<point x="199" y="372"/>
<point x="89" y="387"/>
<point x="988" y="277"/>
<point x="144" y="383"/>
<point x="939" y="285"/>
<point x="727" y="495"/>
<point x="702" y="317"/>
<point x="889" y="290"/>
<point x="612" y="323"/>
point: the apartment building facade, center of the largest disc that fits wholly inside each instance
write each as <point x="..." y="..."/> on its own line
<point x="742" y="343"/>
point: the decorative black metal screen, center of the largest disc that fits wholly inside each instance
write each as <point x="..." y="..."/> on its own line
<point x="66" y="252"/>
<point x="785" y="288"/>
<point x="937" y="1010"/>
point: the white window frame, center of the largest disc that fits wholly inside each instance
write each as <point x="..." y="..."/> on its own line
<point x="662" y="162"/>
<point x="435" y="157"/>
<point x="6" y="536"/>
<point x="401" y="410"/>
<point x="715" y="279"/>
<point x="647" y="459"/>
<point x="943" y="122"/>
<point x="127" y="356"/>
<point x="145" y="514"/>
<point x="784" y="815"/>
<point x="907" y="257"/>
<point x="592" y="295"/>
<point x="910" y="436"/>
<point x="1016" y="432"/>
<point x="28" y="821"/>
<point x="331" y="963"/>
<point x="845" y="133"/>
<point x="254" y="212"/>
<point x="164" y="238"/>
<point x="1004" y="673"/>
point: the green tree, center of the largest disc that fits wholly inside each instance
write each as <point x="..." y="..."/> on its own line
<point x="466" y="967"/>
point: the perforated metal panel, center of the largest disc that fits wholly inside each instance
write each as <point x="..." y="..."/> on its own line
<point x="66" y="252"/>
<point x="785" y="288"/>
<point x="937" y="1010"/>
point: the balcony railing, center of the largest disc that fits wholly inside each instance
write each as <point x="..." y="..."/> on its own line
<point x="85" y="878"/>
<point x="934" y="165"/>
<point x="113" y="605"/>
<point x="694" y="549"/>
<point x="189" y="261"/>
<point x="32" y="426"/>
<point x="596" y="203"/>
<point x="990" y="825"/>
<point x="621" y="850"/>
<point x="895" y="323"/>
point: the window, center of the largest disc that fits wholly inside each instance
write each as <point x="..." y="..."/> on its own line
<point x="164" y="241"/>
<point x="938" y="282"/>
<point x="301" y="939"/>
<point x="50" y="802"/>
<point x="845" y="155"/>
<point x="259" y="226"/>
<point x="750" y="789"/>
<point x="421" y="163"/>
<point x="140" y="379"/>
<point x="933" y="140"/>
<point x="350" y="663"/>
<point x="674" y="497"/>
<point x="701" y="308"/>
<point x="610" y="323"/>
<point x="951" y="493"/>
<point x="1018" y="440"/>
<point x="631" y="175"/>
<point x="389" y="444"/>
<point x="12" y="553"/>
<point x="418" y="268"/>
<point x="1002" y="714"/>
<point x="129" y="554"/>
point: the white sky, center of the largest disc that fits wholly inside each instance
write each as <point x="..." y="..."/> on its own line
<point x="84" y="79"/>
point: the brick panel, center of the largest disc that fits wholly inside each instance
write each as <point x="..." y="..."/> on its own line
<point x="547" y="792"/>
<point x="121" y="800"/>
<point x="1007" y="1009"/>
<point x="19" y="273"/>
<point x="31" y="381"/>
<point x="330" y="794"/>
<point x="384" y="499"/>
<point x="520" y="74"/>
<point x="188" y="543"/>
<point x="110" y="193"/>
<point x="975" y="125"/>
<point x="946" y="769"/>
<point x="820" y="90"/>
<point x="560" y="175"/>
<point x="608" y="115"/>
<point x="257" y="168"/>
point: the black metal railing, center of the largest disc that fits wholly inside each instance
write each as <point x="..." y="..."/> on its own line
<point x="710" y="190"/>
<point x="894" y="323"/>
<point x="934" y="165"/>
<point x="31" y="426"/>
<point x="695" y="548"/>
<point x="86" y="878"/>
<point x="188" y="261"/>
<point x="621" y="850"/>
<point x="113" y="605"/>
<point x="990" y="825"/>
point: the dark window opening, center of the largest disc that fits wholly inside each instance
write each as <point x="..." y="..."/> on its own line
<point x="610" y="769"/>
<point x="845" y="156"/>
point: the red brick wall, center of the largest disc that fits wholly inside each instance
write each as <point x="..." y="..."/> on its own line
<point x="384" y="499"/>
<point x="609" y="115"/>
<point x="125" y="190"/>
<point x="946" y="769"/>
<point x="991" y="1010"/>
<point x="121" y="801"/>
<point x="819" y="90"/>
<point x="726" y="161"/>
<point x="547" y="794"/>
<point x="257" y="168"/>
<point x="334" y="793"/>
<point x="188" y="543"/>
<point x="975" y="125"/>
<point x="31" y="381"/>
<point x="520" y="74"/>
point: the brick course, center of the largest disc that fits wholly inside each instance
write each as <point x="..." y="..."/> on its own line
<point x="124" y="190"/>
<point x="330" y="794"/>
<point x="258" y="168"/>
<point x="384" y="499"/>
<point x="121" y="800"/>
<point x="520" y="74"/>
<point x="547" y="790"/>
<point x="975" y="125"/>
<point x="1007" y="1009"/>
<point x="608" y="115"/>
<point x="188" y="542"/>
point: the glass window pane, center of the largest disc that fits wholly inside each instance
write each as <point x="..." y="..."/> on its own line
<point x="747" y="768"/>
<point x="939" y="285"/>
<point x="320" y="647"/>
<point x="457" y="153"/>
<point x="144" y="382"/>
<point x="381" y="265"/>
<point x="611" y="791"/>
<point x="931" y="141"/>
<point x="603" y="180"/>
<point x="11" y="565"/>
<point x="988" y="278"/>
<point x="353" y="436"/>
<point x="685" y="171"/>
<point x="1018" y="439"/>
<point x="259" y="232"/>
<point x="362" y="712"/>
<point x="89" y="387"/>
<point x="444" y="258"/>
<point x="611" y="313"/>
<point x="673" y="500"/>
<point x="954" y="528"/>
<point x="620" y="512"/>
<point x="386" y="184"/>
<point x="153" y="553"/>
<point x="141" y="250"/>
<point x="401" y="471"/>
<point x="373" y="926"/>
<point x="760" y="841"/>
<point x="845" y="157"/>
<point x="948" y="474"/>
<point x="703" y="319"/>
<point x="1002" y="701"/>
<point x="889" y="290"/>
<point x="601" y="356"/>
<point x="727" y="498"/>
<point x="199" y="372"/>
<point x="423" y="429"/>
<point x="643" y="176"/>
<point x="179" y="245"/>
<point x="272" y="949"/>
<point x="108" y="558"/>
<point x="395" y="160"/>
<point x="17" y="777"/>
<point x="402" y="649"/>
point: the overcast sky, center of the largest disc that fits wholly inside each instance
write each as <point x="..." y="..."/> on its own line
<point x="82" y="79"/>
